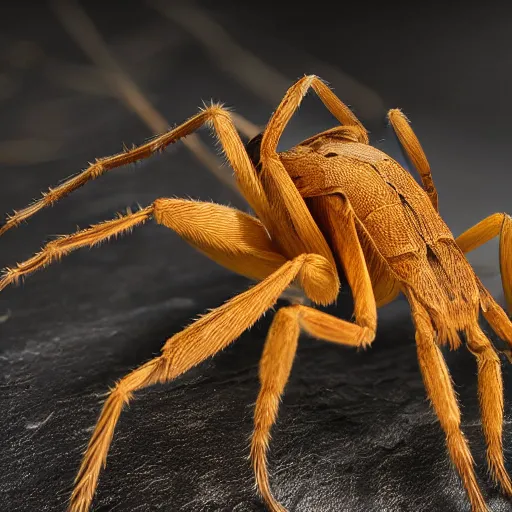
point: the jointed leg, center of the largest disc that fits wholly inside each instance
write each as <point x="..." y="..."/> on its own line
<point x="291" y="102"/>
<point x="336" y="217"/>
<point x="228" y="236"/>
<point x="229" y="139"/>
<point x="497" y="318"/>
<point x="386" y="287"/>
<point x="494" y="225"/>
<point x="275" y="367"/>
<point x="204" y="338"/>
<point x="232" y="238"/>
<point x="440" y="391"/>
<point x="498" y="224"/>
<point x="414" y="151"/>
<point x="490" y="391"/>
<point x="55" y="250"/>
<point x="303" y="234"/>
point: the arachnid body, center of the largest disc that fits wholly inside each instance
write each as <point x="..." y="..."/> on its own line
<point x="331" y="202"/>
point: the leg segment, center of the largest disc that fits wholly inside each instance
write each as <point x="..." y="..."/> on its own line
<point x="494" y="225"/>
<point x="499" y="224"/>
<point x="414" y="151"/>
<point x="228" y="236"/>
<point x="301" y="234"/>
<point x="232" y="238"/>
<point x="291" y="102"/>
<point x="275" y="367"/>
<point x="336" y="217"/>
<point x="440" y="391"/>
<point x="490" y="391"/>
<point x="204" y="338"/>
<point x="55" y="250"/>
<point x="497" y="318"/>
<point x="385" y="287"/>
<point x="230" y="142"/>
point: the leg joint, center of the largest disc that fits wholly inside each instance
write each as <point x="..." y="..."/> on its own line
<point x="216" y="111"/>
<point x="319" y="279"/>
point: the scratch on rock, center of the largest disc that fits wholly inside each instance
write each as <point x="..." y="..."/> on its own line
<point x="38" y="424"/>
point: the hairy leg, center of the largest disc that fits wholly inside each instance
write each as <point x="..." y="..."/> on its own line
<point x="490" y="391"/>
<point x="55" y="250"/>
<point x="498" y="224"/>
<point x="299" y="231"/>
<point x="275" y="367"/>
<point x="232" y="238"/>
<point x="229" y="139"/>
<point x="497" y="318"/>
<point x="439" y="388"/>
<point x="204" y="338"/>
<point x="386" y="288"/>
<point x="291" y="102"/>
<point x="414" y="151"/>
<point x="336" y="217"/>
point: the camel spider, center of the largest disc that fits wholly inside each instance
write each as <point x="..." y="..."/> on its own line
<point x="333" y="200"/>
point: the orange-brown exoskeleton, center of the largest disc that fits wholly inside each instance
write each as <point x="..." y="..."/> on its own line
<point x="331" y="202"/>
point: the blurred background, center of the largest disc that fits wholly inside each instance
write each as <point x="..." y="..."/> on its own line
<point x="80" y="80"/>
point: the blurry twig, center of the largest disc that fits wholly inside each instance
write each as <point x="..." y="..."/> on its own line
<point x="249" y="129"/>
<point x="261" y="78"/>
<point x="81" y="28"/>
<point x="143" y="43"/>
<point x="83" y="78"/>
<point x="28" y="151"/>
<point x="91" y="80"/>
<point x="252" y="72"/>
<point x="137" y="47"/>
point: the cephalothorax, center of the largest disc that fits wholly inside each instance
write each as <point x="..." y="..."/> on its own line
<point x="331" y="202"/>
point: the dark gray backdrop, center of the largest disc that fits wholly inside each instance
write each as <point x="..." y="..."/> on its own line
<point x="355" y="431"/>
